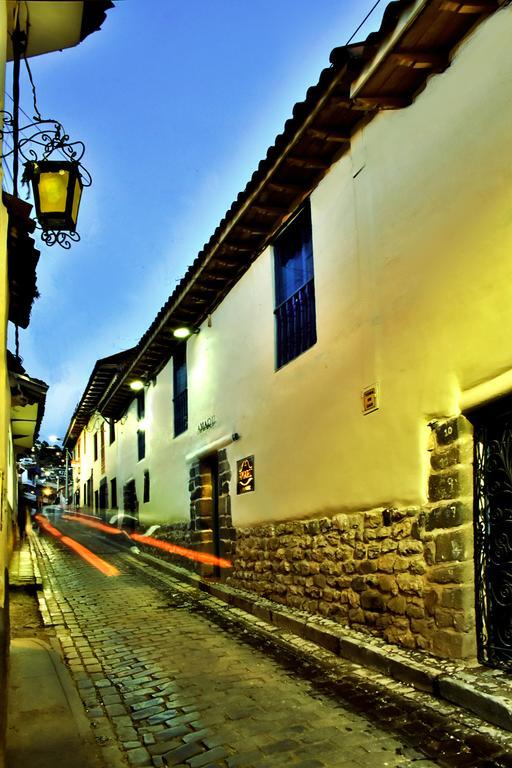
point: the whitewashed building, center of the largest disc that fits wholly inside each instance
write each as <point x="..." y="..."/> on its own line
<point x="351" y="318"/>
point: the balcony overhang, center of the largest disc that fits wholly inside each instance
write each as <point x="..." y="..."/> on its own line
<point x="28" y="398"/>
<point x="54" y="26"/>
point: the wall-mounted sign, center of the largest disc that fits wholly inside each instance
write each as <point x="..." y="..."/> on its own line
<point x="245" y="475"/>
<point x="370" y="399"/>
<point x="208" y="423"/>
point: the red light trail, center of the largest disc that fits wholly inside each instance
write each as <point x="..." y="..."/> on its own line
<point x="83" y="552"/>
<point x="165" y="546"/>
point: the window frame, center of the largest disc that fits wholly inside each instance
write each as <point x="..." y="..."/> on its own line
<point x="140" y="400"/>
<point x="141" y="444"/>
<point x="180" y="394"/>
<point x="113" y="493"/>
<point x="146" y="494"/>
<point x="294" y="304"/>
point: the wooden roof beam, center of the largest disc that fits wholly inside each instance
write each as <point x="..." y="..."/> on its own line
<point x="347" y="103"/>
<point x="269" y="210"/>
<point x="238" y="246"/>
<point x="181" y="310"/>
<point x="470" y="6"/>
<point x="201" y="288"/>
<point x="329" y="135"/>
<point x="252" y="231"/>
<point x="227" y="263"/>
<point x="308" y="163"/>
<point x="293" y="189"/>
<point x="213" y="275"/>
<point x="384" y="101"/>
<point x="421" y="59"/>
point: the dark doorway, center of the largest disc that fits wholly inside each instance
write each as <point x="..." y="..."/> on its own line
<point x="130" y="505"/>
<point x="88" y="502"/>
<point x="103" y="501"/>
<point x="493" y="531"/>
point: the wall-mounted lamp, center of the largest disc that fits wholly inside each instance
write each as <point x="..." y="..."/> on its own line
<point x="56" y="183"/>
<point x="183" y="332"/>
<point x="137" y="385"/>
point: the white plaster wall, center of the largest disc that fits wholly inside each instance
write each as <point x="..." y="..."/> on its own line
<point x="413" y="275"/>
<point x="412" y="280"/>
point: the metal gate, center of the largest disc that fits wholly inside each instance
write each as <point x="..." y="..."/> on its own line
<point x="493" y="533"/>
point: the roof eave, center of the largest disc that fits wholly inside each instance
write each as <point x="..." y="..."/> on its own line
<point x="54" y="26"/>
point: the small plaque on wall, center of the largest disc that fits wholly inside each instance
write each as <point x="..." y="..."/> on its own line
<point x="370" y="399"/>
<point x="245" y="475"/>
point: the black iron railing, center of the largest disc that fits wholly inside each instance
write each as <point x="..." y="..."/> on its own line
<point x="141" y="444"/>
<point x="296" y="324"/>
<point x="180" y="413"/>
<point x="493" y="540"/>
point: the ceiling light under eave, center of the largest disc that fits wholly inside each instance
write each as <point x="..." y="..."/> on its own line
<point x="183" y="332"/>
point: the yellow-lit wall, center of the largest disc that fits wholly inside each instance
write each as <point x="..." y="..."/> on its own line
<point x="412" y="237"/>
<point x="5" y="396"/>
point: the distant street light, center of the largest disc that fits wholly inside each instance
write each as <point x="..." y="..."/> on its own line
<point x="55" y="439"/>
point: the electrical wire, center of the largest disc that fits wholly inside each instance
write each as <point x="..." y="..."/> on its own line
<point x="7" y="170"/>
<point x="34" y="96"/>
<point x="6" y="166"/>
<point x="31" y="118"/>
<point x="363" y="22"/>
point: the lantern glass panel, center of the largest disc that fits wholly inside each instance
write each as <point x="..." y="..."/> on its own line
<point x="53" y="191"/>
<point x="77" y="194"/>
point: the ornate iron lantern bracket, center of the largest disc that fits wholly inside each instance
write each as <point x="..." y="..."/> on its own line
<point x="39" y="142"/>
<point x="57" y="184"/>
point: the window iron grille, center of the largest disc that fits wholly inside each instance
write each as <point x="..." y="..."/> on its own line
<point x="493" y="540"/>
<point x="296" y="324"/>
<point x="180" y="413"/>
<point x="141" y="444"/>
<point x="146" y="492"/>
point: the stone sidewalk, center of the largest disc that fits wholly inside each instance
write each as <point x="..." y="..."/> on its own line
<point x="46" y="719"/>
<point x="174" y="676"/>
<point x="483" y="691"/>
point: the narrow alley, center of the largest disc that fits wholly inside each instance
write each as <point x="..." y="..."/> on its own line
<point x="169" y="676"/>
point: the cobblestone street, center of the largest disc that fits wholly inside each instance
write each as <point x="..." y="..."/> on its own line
<point x="164" y="684"/>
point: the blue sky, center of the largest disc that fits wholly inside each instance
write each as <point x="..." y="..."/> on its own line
<point x="176" y="102"/>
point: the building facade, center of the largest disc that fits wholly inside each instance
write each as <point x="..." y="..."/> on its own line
<point x="345" y="389"/>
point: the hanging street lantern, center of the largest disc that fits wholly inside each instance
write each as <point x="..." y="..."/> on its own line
<point x="52" y="163"/>
<point x="57" y="188"/>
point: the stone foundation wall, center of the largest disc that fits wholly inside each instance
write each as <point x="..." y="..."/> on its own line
<point x="405" y="574"/>
<point x="176" y="533"/>
<point x="365" y="569"/>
